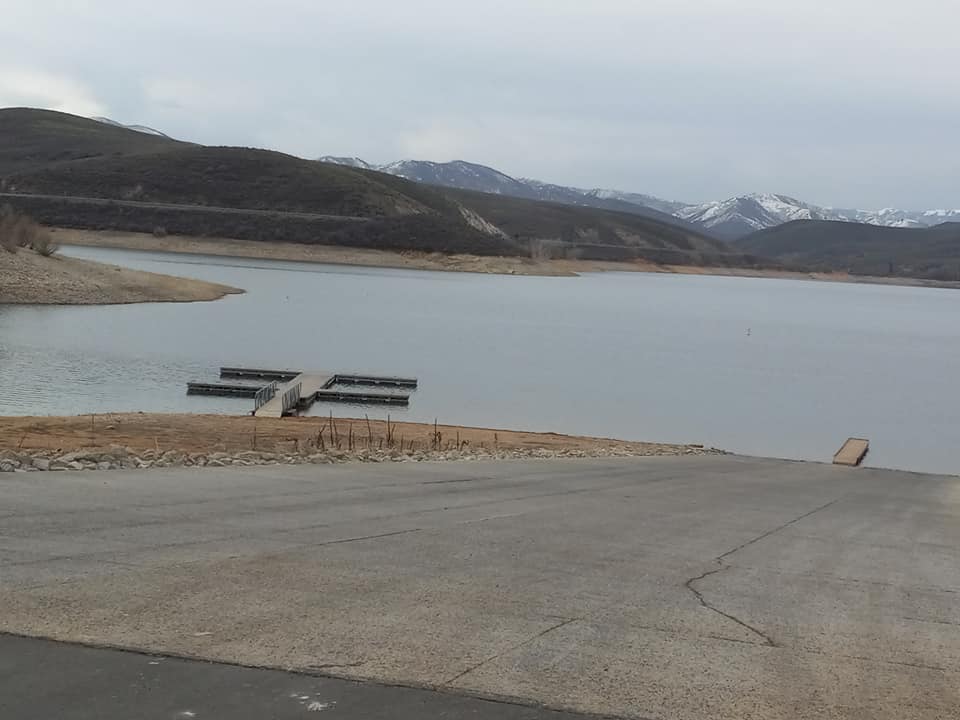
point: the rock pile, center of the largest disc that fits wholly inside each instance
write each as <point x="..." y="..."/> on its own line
<point x="117" y="457"/>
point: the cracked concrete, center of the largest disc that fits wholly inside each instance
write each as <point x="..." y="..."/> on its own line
<point x="603" y="586"/>
<point x="774" y="531"/>
<point x="519" y="645"/>
<point x="690" y="585"/>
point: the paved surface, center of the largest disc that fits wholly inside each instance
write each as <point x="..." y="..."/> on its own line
<point x="711" y="587"/>
<point x="42" y="680"/>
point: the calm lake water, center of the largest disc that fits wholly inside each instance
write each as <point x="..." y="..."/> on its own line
<point x="634" y="356"/>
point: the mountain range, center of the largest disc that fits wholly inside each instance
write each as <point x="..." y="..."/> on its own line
<point x="727" y="219"/>
<point x="740" y="216"/>
<point x="68" y="171"/>
<point x="480" y="178"/>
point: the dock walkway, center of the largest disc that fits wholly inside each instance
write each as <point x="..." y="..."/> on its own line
<point x="290" y="394"/>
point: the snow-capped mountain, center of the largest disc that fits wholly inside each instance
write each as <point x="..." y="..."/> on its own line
<point x="137" y="128"/>
<point x="745" y="214"/>
<point x="348" y="161"/>
<point x="891" y="217"/>
<point x="458" y="174"/>
<point x="668" y="206"/>
<point x="549" y="192"/>
<point x="471" y="176"/>
<point x="728" y="219"/>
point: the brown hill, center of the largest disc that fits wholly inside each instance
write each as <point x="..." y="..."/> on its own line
<point x="59" y="160"/>
<point x="931" y="253"/>
<point x="32" y="139"/>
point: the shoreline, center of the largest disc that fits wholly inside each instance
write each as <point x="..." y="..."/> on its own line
<point x="27" y="278"/>
<point x="199" y="439"/>
<point x="412" y="260"/>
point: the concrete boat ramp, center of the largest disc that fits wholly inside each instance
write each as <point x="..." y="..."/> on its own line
<point x="288" y="392"/>
<point x="683" y="588"/>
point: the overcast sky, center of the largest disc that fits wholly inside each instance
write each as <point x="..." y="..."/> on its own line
<point x="837" y="102"/>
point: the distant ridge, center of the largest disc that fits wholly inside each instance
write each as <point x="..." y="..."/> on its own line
<point x="464" y="175"/>
<point x="62" y="168"/>
<point x="727" y="219"/>
<point x="137" y="128"/>
<point x="932" y="253"/>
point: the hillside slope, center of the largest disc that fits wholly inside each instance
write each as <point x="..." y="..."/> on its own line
<point x="231" y="177"/>
<point x="587" y="228"/>
<point x="932" y="253"/>
<point x="462" y="175"/>
<point x="32" y="139"/>
<point x="85" y="174"/>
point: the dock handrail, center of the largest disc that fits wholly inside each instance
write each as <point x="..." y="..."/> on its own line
<point x="264" y="395"/>
<point x="291" y="398"/>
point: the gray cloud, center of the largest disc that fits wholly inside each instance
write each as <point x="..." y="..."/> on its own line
<point x="848" y="102"/>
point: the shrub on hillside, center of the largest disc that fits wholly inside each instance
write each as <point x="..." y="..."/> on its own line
<point x="43" y="243"/>
<point x="20" y="231"/>
<point x="8" y="233"/>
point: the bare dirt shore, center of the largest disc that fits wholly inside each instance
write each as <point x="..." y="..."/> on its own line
<point x="327" y="254"/>
<point x="412" y="260"/>
<point x="195" y="433"/>
<point x="29" y="278"/>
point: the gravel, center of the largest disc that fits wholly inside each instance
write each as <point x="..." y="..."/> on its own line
<point x="117" y="457"/>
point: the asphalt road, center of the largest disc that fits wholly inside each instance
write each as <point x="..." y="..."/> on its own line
<point x="710" y="587"/>
<point x="43" y="680"/>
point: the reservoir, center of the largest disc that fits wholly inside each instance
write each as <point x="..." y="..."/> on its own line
<point x="769" y="367"/>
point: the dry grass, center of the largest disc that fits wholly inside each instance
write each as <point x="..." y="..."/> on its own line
<point x="20" y="231"/>
<point x="224" y="433"/>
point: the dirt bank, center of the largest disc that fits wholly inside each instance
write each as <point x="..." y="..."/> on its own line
<point x="233" y="434"/>
<point x="28" y="278"/>
<point x="436" y="261"/>
<point x="333" y="255"/>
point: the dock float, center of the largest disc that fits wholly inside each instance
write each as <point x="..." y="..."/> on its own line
<point x="375" y="381"/>
<point x="222" y="389"/>
<point x="257" y="374"/>
<point x="278" y="393"/>
<point x="852" y="453"/>
<point x="360" y="398"/>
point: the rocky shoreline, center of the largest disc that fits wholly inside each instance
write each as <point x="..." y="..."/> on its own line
<point x="118" y="457"/>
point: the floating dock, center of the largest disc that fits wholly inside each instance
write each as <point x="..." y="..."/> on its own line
<point x="852" y="453"/>
<point x="289" y="392"/>
<point x="360" y="397"/>
<point x="233" y="373"/>
<point x="222" y="389"/>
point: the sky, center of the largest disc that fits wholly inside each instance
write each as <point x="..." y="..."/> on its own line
<point x="844" y="103"/>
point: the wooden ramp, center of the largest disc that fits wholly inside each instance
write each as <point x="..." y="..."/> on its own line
<point x="852" y="452"/>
